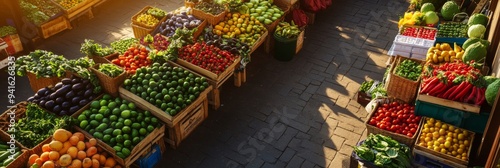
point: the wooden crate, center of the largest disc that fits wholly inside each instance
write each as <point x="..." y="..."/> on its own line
<point x="109" y="84"/>
<point x="300" y="41"/>
<point x="140" y="32"/>
<point x="54" y="26"/>
<point x="213" y="79"/>
<point x="449" y="103"/>
<point x="287" y="3"/>
<point x="77" y="10"/>
<point x="144" y="10"/>
<point x="105" y="59"/>
<point x="441" y="156"/>
<point x="211" y="19"/>
<point x="259" y="42"/>
<point x="22" y="159"/>
<point x="409" y="141"/>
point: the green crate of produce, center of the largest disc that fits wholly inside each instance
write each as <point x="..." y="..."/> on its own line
<point x="475" y="122"/>
<point x="445" y="114"/>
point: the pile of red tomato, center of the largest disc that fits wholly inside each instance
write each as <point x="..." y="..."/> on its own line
<point x="134" y="58"/>
<point x="420" y="32"/>
<point x="397" y="118"/>
<point x="208" y="57"/>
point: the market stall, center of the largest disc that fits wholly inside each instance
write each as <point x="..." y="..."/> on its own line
<point x="438" y="94"/>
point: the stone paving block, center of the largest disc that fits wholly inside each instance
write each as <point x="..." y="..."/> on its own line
<point x="342" y="101"/>
<point x="255" y="163"/>
<point x="287" y="155"/>
<point x="346" y="149"/>
<point x="282" y="142"/>
<point x="296" y="162"/>
<point x="303" y="136"/>
<point x="305" y="96"/>
<point x="312" y="157"/>
<point x="340" y="161"/>
<point x="307" y="164"/>
<point x="237" y="157"/>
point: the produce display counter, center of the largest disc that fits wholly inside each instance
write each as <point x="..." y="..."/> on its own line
<point x="80" y="9"/>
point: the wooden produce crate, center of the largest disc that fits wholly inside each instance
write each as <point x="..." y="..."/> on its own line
<point x="180" y="125"/>
<point x="22" y="159"/>
<point x="135" y="152"/>
<point x="19" y="111"/>
<point x="449" y="103"/>
<point x="370" y="129"/>
<point x="445" y="158"/>
<point x="362" y="98"/>
<point x="38" y="83"/>
<point x="211" y="19"/>
<point x="259" y="42"/>
<point x="14" y="43"/>
<point x="105" y="59"/>
<point x="213" y="79"/>
<point x="54" y="26"/>
<point x="110" y="85"/>
<point x="300" y="41"/>
<point x="144" y="10"/>
<point x="77" y="10"/>
<point x="400" y="87"/>
<point x="286" y="3"/>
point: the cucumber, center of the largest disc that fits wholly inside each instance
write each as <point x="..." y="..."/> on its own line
<point x="7" y="162"/>
<point x="4" y="156"/>
<point x="4" y="147"/>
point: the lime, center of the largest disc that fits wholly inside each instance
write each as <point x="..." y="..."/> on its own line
<point x="119" y="139"/>
<point x="119" y="125"/>
<point x="95" y="104"/>
<point x="123" y="107"/>
<point x="147" y="119"/>
<point x="125" y="114"/>
<point x="126" y="137"/>
<point x="126" y="129"/>
<point x="150" y="128"/>
<point x="106" y="138"/>
<point x="136" y="125"/>
<point x="108" y="131"/>
<point x="156" y="77"/>
<point x="127" y="82"/>
<point x="99" y="117"/>
<point x="147" y="113"/>
<point x="127" y="122"/>
<point x="127" y="143"/>
<point x="136" y="140"/>
<point x="125" y="152"/>
<point x="154" y="121"/>
<point x="84" y="124"/>
<point x="91" y="131"/>
<point x="103" y="103"/>
<point x="131" y="106"/>
<point x="135" y="133"/>
<point x="113" y="118"/>
<point x="112" y="142"/>
<point x="112" y="105"/>
<point x="102" y="127"/>
<point x="116" y="111"/>
<point x="117" y="132"/>
<point x="82" y="117"/>
<point x="134" y="113"/>
<point x="94" y="123"/>
<point x="143" y="131"/>
<point x="106" y="97"/>
<point x="117" y="148"/>
<point x="98" y="135"/>
<point x="87" y="113"/>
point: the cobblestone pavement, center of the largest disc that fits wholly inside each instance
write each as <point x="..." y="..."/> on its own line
<point x="301" y="113"/>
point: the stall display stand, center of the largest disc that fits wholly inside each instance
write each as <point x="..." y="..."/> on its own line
<point x="3" y="54"/>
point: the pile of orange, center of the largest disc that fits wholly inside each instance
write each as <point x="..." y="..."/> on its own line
<point x="71" y="150"/>
<point x="241" y="26"/>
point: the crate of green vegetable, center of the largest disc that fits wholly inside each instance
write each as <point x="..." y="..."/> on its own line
<point x="96" y="51"/>
<point x="34" y="125"/>
<point x="404" y="78"/>
<point x="452" y="32"/>
<point x="363" y="97"/>
<point x="382" y="151"/>
<point x="121" y="127"/>
<point x="110" y="76"/>
<point x="11" y="153"/>
<point x="213" y="13"/>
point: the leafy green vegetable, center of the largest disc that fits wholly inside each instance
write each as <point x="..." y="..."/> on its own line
<point x="7" y="30"/>
<point x="389" y="153"/>
<point x="81" y="67"/>
<point x="379" y="91"/>
<point x="122" y="45"/>
<point x="38" y="125"/>
<point x="91" y="48"/>
<point x="110" y="69"/>
<point x="409" y="69"/>
<point x="42" y="63"/>
<point x="38" y="11"/>
<point x="365" y="153"/>
<point x="181" y="37"/>
<point x="366" y="85"/>
<point x="160" y="56"/>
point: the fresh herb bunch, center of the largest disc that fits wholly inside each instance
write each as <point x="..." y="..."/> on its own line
<point x="212" y="8"/>
<point x="122" y="45"/>
<point x="42" y="63"/>
<point x="38" y="125"/>
<point x="378" y="91"/>
<point x="409" y="69"/>
<point x="91" y="48"/>
<point x="366" y="85"/>
<point x="156" y="12"/>
<point x="181" y="37"/>
<point x="111" y="70"/>
<point x="81" y="67"/>
<point x="384" y="151"/>
<point x="7" y="30"/>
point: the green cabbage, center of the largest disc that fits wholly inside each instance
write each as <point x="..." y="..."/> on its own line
<point x="476" y="31"/>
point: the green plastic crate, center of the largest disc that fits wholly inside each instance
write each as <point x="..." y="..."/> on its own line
<point x="445" y="114"/>
<point x="475" y="122"/>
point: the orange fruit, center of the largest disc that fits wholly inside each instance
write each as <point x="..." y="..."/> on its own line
<point x="76" y="164"/>
<point x="53" y="155"/>
<point x="91" y="151"/>
<point x="96" y="156"/>
<point x="61" y="135"/>
<point x="87" y="162"/>
<point x="65" y="160"/>
<point x="33" y="159"/>
<point x="110" y="162"/>
<point x="80" y="136"/>
<point x="95" y="163"/>
<point x="81" y="155"/>
<point x="65" y="148"/>
<point x="93" y="141"/>
<point x="48" y="164"/>
<point x="39" y="162"/>
<point x="56" y="145"/>
<point x="46" y="148"/>
<point x="44" y="156"/>
<point x="72" y="151"/>
<point x="102" y="160"/>
<point x="80" y="145"/>
<point x="74" y="140"/>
